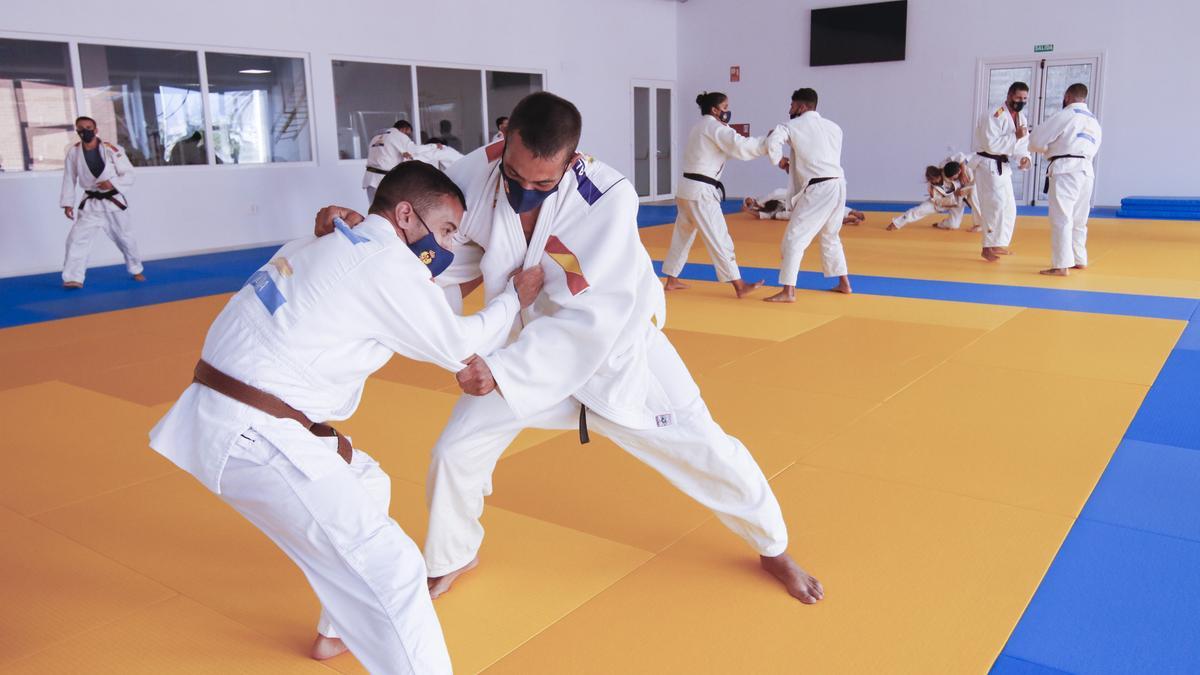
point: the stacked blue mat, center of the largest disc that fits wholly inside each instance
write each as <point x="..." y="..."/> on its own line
<point x="1160" y="208"/>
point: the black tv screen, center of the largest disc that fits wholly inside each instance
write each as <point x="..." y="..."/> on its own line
<point x="858" y="33"/>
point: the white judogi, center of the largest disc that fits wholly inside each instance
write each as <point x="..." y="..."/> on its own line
<point x="441" y="157"/>
<point x="593" y="339"/>
<point x="1073" y="131"/>
<point x="996" y="134"/>
<point x="710" y="144"/>
<point x="97" y="215"/>
<point x="386" y="151"/>
<point x="940" y="199"/>
<point x="498" y="136"/>
<point x="816" y="152"/>
<point x="309" y="327"/>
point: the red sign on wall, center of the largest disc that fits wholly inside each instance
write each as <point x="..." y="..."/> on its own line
<point x="735" y="73"/>
<point x="743" y="129"/>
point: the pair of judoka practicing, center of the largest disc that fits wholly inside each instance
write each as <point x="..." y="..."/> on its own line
<point x="570" y="335"/>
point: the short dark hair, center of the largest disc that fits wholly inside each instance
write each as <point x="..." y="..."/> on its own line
<point x="420" y="184"/>
<point x="444" y="126"/>
<point x="772" y="205"/>
<point x="85" y="117"/>
<point x="806" y="96"/>
<point x="1017" y="86"/>
<point x="1078" y="90"/>
<point x="708" y="100"/>
<point x="548" y="124"/>
<point x="932" y="172"/>
<point x="501" y="120"/>
<point x="951" y="169"/>
<point x="402" y="125"/>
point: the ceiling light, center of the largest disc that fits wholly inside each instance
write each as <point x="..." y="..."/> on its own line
<point x="254" y="71"/>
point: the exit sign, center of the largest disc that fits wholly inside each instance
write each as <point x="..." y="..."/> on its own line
<point x="1043" y="48"/>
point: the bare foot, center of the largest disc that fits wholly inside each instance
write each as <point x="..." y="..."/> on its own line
<point x="975" y="228"/>
<point x="139" y="277"/>
<point x="892" y="227"/>
<point x="1003" y="250"/>
<point x="1055" y="272"/>
<point x="843" y="285"/>
<point x="72" y="284"/>
<point x="743" y="289"/>
<point x="989" y="254"/>
<point x="439" y="585"/>
<point x="800" y="584"/>
<point x="788" y="294"/>
<point x="859" y="215"/>
<point x="1079" y="267"/>
<point x="674" y="284"/>
<point x="326" y="648"/>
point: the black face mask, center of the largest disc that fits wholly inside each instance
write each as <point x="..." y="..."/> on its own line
<point x="724" y="116"/>
<point x="1017" y="106"/>
<point x="86" y="135"/>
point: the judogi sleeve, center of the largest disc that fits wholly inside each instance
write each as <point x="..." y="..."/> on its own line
<point x="556" y="354"/>
<point x="999" y="140"/>
<point x="123" y="167"/>
<point x="66" y="197"/>
<point x="1047" y="132"/>
<point x="775" y="142"/>
<point x="737" y="146"/>
<point x="414" y="320"/>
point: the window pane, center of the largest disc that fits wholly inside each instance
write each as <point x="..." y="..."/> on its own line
<point x="641" y="140"/>
<point x="37" y="105"/>
<point x="504" y="90"/>
<point x="259" y="108"/>
<point x="369" y="97"/>
<point x="451" y="107"/>
<point x="662" y="110"/>
<point x="147" y="101"/>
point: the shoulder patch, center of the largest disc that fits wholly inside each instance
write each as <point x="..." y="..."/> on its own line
<point x="593" y="179"/>
<point x="110" y="146"/>
<point x="999" y="112"/>
<point x="494" y="150"/>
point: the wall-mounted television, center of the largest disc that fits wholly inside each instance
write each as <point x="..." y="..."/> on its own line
<point x="858" y="33"/>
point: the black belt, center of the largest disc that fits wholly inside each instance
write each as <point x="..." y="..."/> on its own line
<point x="1000" y="160"/>
<point x="822" y="179"/>
<point x="1046" y="186"/>
<point x="583" y="432"/>
<point x="705" y="179"/>
<point x="110" y="195"/>
<point x="378" y="171"/>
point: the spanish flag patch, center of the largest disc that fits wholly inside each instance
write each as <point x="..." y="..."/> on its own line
<point x="495" y="150"/>
<point x="570" y="264"/>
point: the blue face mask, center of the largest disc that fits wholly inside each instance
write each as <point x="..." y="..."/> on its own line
<point x="430" y="252"/>
<point x="520" y="199"/>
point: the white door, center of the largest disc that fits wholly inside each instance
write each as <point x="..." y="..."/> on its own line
<point x="653" y="159"/>
<point x="1048" y="79"/>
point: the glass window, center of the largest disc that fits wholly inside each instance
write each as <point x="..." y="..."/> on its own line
<point x="504" y="90"/>
<point x="369" y="98"/>
<point x="37" y="105"/>
<point x="259" y="108"/>
<point x="147" y="101"/>
<point x="451" y="107"/>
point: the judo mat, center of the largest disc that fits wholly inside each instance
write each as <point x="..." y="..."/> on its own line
<point x="987" y="469"/>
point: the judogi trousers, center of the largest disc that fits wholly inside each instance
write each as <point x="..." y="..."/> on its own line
<point x="88" y="222"/>
<point x="368" y="574"/>
<point x="997" y="203"/>
<point x="953" y="219"/>
<point x="819" y="210"/>
<point x="1070" y="203"/>
<point x="693" y="453"/>
<point x="706" y="217"/>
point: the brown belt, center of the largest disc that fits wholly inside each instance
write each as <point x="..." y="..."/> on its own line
<point x="272" y="405"/>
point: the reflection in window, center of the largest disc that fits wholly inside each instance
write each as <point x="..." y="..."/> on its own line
<point x="451" y="107"/>
<point x="147" y="101"/>
<point x="369" y="97"/>
<point x="504" y="90"/>
<point x="259" y="108"/>
<point x="37" y="105"/>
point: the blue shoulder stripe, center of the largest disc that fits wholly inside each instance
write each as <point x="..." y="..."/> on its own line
<point x="587" y="189"/>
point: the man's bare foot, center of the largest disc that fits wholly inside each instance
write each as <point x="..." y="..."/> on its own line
<point x="892" y="227"/>
<point x="743" y="289"/>
<point x="859" y="215"/>
<point x="1003" y="250"/>
<point x="788" y="294"/>
<point x="1055" y="272"/>
<point x="1079" y="267"/>
<point x="139" y="277"/>
<point x="989" y="254"/>
<point x="975" y="228"/>
<point x="439" y="585"/>
<point x="800" y="584"/>
<point x="72" y="284"/>
<point x="674" y="284"/>
<point x="843" y="285"/>
<point x="326" y="648"/>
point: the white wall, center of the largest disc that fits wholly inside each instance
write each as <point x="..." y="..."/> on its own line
<point x="900" y="116"/>
<point x="178" y="210"/>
